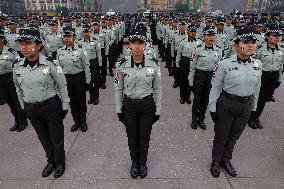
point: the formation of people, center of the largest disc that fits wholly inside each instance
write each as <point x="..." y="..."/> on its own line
<point x="230" y="64"/>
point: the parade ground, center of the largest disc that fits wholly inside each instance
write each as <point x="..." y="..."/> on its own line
<point x="179" y="157"/>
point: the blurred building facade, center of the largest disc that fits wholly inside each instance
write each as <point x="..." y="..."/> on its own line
<point x="12" y="7"/>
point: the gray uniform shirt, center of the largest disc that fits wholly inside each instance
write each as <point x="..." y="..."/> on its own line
<point x="7" y="59"/>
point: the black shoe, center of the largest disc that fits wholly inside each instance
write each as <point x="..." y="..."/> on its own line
<point x="194" y="125"/>
<point x="111" y="74"/>
<point x="14" y="128"/>
<point x="48" y="169"/>
<point x="2" y="102"/>
<point x="96" y="101"/>
<point x="84" y="127"/>
<point x="182" y="100"/>
<point x="74" y="127"/>
<point x="175" y="85"/>
<point x="258" y="124"/>
<point x="171" y="73"/>
<point x="59" y="170"/>
<point x="91" y="101"/>
<point x="202" y="125"/>
<point x="188" y="100"/>
<point x="270" y="99"/>
<point x="251" y="124"/>
<point x="229" y="168"/>
<point x="143" y="171"/>
<point x="103" y="86"/>
<point x="134" y="171"/>
<point x="215" y="169"/>
<point x="21" y="127"/>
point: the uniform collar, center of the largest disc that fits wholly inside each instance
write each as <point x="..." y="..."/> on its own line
<point x="194" y="40"/>
<point x="268" y="48"/>
<point x="42" y="61"/>
<point x="75" y="47"/>
<point x="206" y="48"/>
<point x="142" y="63"/>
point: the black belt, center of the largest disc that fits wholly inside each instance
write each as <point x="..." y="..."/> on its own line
<point x="138" y="101"/>
<point x="270" y="72"/>
<point x="43" y="103"/>
<point x="6" y="75"/>
<point x="204" y="72"/>
<point x="74" y="75"/>
<point x="241" y="99"/>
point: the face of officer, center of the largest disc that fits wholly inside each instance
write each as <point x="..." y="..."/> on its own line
<point x="258" y="29"/>
<point x="246" y="48"/>
<point x="2" y="40"/>
<point x="273" y="39"/>
<point x="209" y="39"/>
<point x="191" y="34"/>
<point x="220" y="27"/>
<point x="53" y="28"/>
<point x="182" y="28"/>
<point x="30" y="49"/>
<point x="104" y="24"/>
<point x="96" y="27"/>
<point x="12" y="27"/>
<point x="137" y="47"/>
<point x="87" y="34"/>
<point x="69" y="40"/>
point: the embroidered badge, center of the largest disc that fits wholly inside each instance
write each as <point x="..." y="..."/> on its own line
<point x="75" y="52"/>
<point x="45" y="71"/>
<point x="59" y="70"/>
<point x="150" y="71"/>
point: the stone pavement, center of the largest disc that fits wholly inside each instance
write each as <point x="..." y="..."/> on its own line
<point x="179" y="157"/>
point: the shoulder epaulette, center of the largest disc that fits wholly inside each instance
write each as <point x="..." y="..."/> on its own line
<point x="218" y="46"/>
<point x="260" y="46"/>
<point x="49" y="59"/>
<point x="156" y="61"/>
<point x="122" y="61"/>
<point x="199" y="46"/>
<point x="11" y="50"/>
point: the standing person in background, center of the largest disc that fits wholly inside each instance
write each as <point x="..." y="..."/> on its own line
<point x="138" y="96"/>
<point x="8" y="57"/>
<point x="234" y="93"/>
<point x="38" y="81"/>
<point x="205" y="58"/>
<point x="76" y="67"/>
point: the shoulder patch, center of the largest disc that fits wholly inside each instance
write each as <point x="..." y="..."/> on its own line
<point x="218" y="46"/>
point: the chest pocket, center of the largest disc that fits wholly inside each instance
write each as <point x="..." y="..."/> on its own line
<point x="44" y="77"/>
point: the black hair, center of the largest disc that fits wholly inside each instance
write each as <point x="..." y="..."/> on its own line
<point x="40" y="43"/>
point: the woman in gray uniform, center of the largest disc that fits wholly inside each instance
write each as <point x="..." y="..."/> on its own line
<point x="38" y="81"/>
<point x="8" y="57"/>
<point x="234" y="93"/>
<point x="138" y="96"/>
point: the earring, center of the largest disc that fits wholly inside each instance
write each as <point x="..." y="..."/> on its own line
<point x="33" y="49"/>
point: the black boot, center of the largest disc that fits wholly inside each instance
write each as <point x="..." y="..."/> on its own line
<point x="143" y="171"/>
<point x="96" y="101"/>
<point x="229" y="168"/>
<point x="251" y="124"/>
<point x="103" y="86"/>
<point x="188" y="100"/>
<point x="134" y="171"/>
<point x="75" y="127"/>
<point x="194" y="125"/>
<point x="21" y="127"/>
<point x="175" y="84"/>
<point x="59" y="170"/>
<point x="215" y="169"/>
<point x="2" y="102"/>
<point x="182" y="100"/>
<point x="258" y="124"/>
<point x="91" y="101"/>
<point x="48" y="169"/>
<point x="202" y="125"/>
<point x="84" y="127"/>
<point x="14" y="127"/>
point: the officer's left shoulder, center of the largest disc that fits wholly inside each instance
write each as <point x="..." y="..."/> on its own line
<point x="11" y="50"/>
<point x="256" y="62"/>
<point x="218" y="47"/>
<point x="155" y="61"/>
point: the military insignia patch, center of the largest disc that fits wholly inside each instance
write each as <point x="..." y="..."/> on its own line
<point x="45" y="71"/>
<point x="75" y="52"/>
<point x="59" y="70"/>
<point x="150" y="71"/>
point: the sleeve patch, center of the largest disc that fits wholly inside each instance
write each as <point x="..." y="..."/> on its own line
<point x="59" y="70"/>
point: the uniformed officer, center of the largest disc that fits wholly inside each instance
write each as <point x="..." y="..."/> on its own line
<point x="138" y="95"/>
<point x="38" y="81"/>
<point x="76" y="66"/>
<point x="258" y="33"/>
<point x="234" y="94"/>
<point x="183" y="60"/>
<point x="222" y="38"/>
<point x="205" y="58"/>
<point x="8" y="57"/>
<point x="12" y="35"/>
<point x="54" y="40"/>
<point x="91" y="45"/>
<point x="272" y="58"/>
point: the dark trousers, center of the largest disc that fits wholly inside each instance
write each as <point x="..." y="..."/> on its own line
<point x="159" y="46"/>
<point x="138" y="119"/>
<point x="9" y="95"/>
<point x="115" y="52"/>
<point x="168" y="58"/>
<point x="103" y="69"/>
<point x="183" y="75"/>
<point x="202" y="86"/>
<point x="162" y="49"/>
<point x="48" y="124"/>
<point x="268" y="85"/>
<point x="77" y="94"/>
<point x="121" y="46"/>
<point x="111" y="59"/>
<point x="94" y="90"/>
<point x="175" y="69"/>
<point x="54" y="55"/>
<point x="232" y="119"/>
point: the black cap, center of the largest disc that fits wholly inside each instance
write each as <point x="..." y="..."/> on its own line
<point x="220" y="20"/>
<point x="29" y="34"/>
<point x="68" y="31"/>
<point x="86" y="28"/>
<point x="191" y="27"/>
<point x="246" y="34"/>
<point x="53" y="23"/>
<point x="258" y="23"/>
<point x="11" y="22"/>
<point x="274" y="30"/>
<point x="209" y="30"/>
<point x="139" y="33"/>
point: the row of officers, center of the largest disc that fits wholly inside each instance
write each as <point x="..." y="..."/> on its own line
<point x="233" y="88"/>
